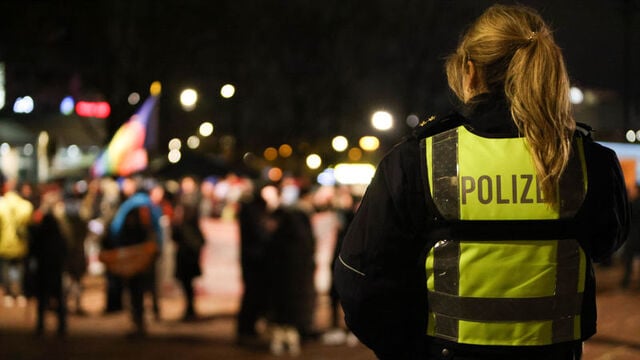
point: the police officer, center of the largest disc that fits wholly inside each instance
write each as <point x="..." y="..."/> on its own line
<point x="476" y="237"/>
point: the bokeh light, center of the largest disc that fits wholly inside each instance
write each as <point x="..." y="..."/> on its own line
<point x="413" y="120"/>
<point x="193" y="142"/>
<point x="355" y="154"/>
<point x="340" y="143"/>
<point x="175" y="144"/>
<point x="174" y="156"/>
<point x="206" y="129"/>
<point x="352" y="174"/>
<point x="188" y="99"/>
<point x="156" y="88"/>
<point x="134" y="98"/>
<point x="314" y="161"/>
<point x="23" y="105"/>
<point x="275" y="174"/>
<point x="369" y="143"/>
<point x="285" y="150"/>
<point x="227" y="91"/>
<point x="67" y="105"/>
<point x="576" y="95"/>
<point x="382" y="120"/>
<point x="270" y="154"/>
<point x="28" y="149"/>
<point x="631" y="136"/>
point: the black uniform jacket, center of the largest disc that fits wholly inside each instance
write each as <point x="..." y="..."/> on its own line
<point x="380" y="273"/>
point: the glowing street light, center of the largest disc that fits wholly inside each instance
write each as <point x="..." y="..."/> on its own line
<point x="314" y="161"/>
<point x="631" y="136"/>
<point x="576" y="96"/>
<point x="175" y="144"/>
<point x="369" y="143"/>
<point x="285" y="150"/>
<point x="227" y="91"/>
<point x="355" y="154"/>
<point x="270" y="153"/>
<point x="133" y="98"/>
<point x="23" y="105"/>
<point x="206" y="129"/>
<point x="193" y="142"/>
<point x="174" y="156"/>
<point x="382" y="120"/>
<point x="155" y="88"/>
<point x="339" y="143"/>
<point x="188" y="99"/>
<point x="67" y="105"/>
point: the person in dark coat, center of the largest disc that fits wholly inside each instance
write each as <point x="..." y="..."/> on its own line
<point x="291" y="255"/>
<point x="412" y="265"/>
<point x="189" y="240"/>
<point x="254" y="239"/>
<point x="345" y="205"/>
<point x="49" y="249"/>
<point x="77" y="219"/>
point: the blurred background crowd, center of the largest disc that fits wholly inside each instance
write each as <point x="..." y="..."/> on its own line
<point x="58" y="234"/>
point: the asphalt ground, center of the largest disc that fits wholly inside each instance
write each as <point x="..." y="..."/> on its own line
<point x="95" y="335"/>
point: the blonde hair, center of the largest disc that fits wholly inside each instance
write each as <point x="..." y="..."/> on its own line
<point x="514" y="52"/>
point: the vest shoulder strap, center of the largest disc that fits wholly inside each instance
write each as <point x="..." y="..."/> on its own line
<point x="437" y="124"/>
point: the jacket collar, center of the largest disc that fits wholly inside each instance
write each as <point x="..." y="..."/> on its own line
<point x="489" y="115"/>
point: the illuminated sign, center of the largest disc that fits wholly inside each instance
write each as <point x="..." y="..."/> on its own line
<point x="97" y="109"/>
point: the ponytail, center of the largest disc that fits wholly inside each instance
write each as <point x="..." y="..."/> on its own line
<point x="537" y="87"/>
<point x="515" y="53"/>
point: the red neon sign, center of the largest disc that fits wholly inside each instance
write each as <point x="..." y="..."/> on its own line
<point x="97" y="109"/>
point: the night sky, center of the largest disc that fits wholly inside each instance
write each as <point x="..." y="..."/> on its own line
<point x="304" y="70"/>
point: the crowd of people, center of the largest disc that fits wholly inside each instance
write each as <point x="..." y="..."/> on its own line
<point x="47" y="232"/>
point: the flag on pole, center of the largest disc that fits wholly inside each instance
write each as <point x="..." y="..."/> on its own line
<point x="126" y="152"/>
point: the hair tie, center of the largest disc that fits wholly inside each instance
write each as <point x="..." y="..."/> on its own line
<point x="532" y="36"/>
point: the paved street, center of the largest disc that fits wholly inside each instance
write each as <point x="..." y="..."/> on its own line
<point x="98" y="336"/>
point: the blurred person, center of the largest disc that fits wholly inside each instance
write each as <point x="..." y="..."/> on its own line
<point x="475" y="238"/>
<point x="632" y="246"/>
<point x="208" y="198"/>
<point x="77" y="219"/>
<point x="90" y="210"/>
<point x="136" y="222"/>
<point x="160" y="198"/>
<point x="189" y="241"/>
<point x="291" y="255"/>
<point x="31" y="194"/>
<point x="15" y="215"/>
<point x="126" y="188"/>
<point x="49" y="250"/>
<point x="345" y="205"/>
<point x="254" y="240"/>
<point x="27" y="192"/>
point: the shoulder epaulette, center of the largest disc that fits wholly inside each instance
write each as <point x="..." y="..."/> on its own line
<point x="584" y="129"/>
<point x="435" y="125"/>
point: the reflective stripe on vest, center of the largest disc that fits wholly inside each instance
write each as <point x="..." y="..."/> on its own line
<point x="505" y="291"/>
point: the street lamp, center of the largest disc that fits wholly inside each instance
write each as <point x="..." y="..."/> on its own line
<point x="188" y="99"/>
<point x="369" y="143"/>
<point x="382" y="120"/>
<point x="227" y="91"/>
<point x="206" y="129"/>
<point x="576" y="95"/>
<point x="314" y="161"/>
<point x="339" y="143"/>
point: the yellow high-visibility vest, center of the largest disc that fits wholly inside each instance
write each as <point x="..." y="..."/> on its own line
<point x="512" y="289"/>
